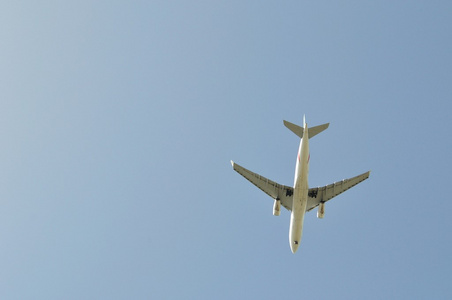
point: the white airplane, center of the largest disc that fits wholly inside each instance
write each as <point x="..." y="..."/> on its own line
<point x="300" y="198"/>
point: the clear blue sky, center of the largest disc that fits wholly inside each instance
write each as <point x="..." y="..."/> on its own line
<point x="118" y="120"/>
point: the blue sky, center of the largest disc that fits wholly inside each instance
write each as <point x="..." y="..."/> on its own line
<point x="118" y="121"/>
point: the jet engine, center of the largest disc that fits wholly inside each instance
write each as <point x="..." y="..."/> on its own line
<point x="277" y="207"/>
<point x="321" y="210"/>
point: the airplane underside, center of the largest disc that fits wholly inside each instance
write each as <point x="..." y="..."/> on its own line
<point x="300" y="198"/>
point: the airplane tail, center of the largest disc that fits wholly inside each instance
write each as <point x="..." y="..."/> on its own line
<point x="313" y="131"/>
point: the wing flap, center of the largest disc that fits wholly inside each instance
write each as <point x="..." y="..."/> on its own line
<point x="326" y="193"/>
<point x="271" y="188"/>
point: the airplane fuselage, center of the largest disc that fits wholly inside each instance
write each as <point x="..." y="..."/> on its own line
<point x="300" y="197"/>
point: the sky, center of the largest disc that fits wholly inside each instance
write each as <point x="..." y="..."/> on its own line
<point x="118" y="121"/>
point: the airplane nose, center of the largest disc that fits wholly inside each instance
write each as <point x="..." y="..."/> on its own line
<point x="294" y="247"/>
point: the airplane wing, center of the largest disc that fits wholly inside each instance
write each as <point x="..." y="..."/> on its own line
<point x="325" y="193"/>
<point x="271" y="188"/>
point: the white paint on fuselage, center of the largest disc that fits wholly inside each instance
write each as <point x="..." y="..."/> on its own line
<point x="300" y="196"/>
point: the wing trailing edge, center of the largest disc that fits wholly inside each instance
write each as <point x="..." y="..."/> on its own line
<point x="275" y="190"/>
<point x="325" y="193"/>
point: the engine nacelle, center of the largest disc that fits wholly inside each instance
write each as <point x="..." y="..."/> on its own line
<point x="321" y="210"/>
<point x="277" y="208"/>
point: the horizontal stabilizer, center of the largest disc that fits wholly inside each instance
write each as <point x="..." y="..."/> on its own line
<point x="299" y="130"/>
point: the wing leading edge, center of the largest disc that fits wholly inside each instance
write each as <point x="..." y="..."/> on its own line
<point x="275" y="190"/>
<point x="326" y="193"/>
<point x="285" y="193"/>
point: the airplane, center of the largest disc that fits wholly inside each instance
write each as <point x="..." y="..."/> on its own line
<point x="300" y="198"/>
